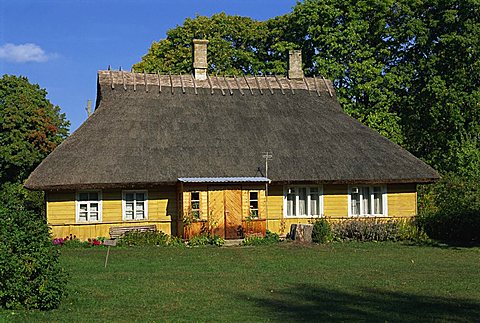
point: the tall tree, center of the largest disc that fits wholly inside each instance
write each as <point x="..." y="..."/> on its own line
<point x="236" y="45"/>
<point x="408" y="69"/>
<point x="30" y="127"/>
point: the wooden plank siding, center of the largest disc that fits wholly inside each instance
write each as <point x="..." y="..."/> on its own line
<point x="61" y="214"/>
<point x="163" y="208"/>
<point x="402" y="200"/>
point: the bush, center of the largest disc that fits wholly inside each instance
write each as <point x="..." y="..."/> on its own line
<point x="321" y="231"/>
<point x="365" y="230"/>
<point x="450" y="210"/>
<point x="205" y="239"/>
<point x="143" y="238"/>
<point x="30" y="274"/>
<point x="270" y="238"/>
<point x="14" y="196"/>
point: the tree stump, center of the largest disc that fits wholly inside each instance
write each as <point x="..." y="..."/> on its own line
<point x="301" y="232"/>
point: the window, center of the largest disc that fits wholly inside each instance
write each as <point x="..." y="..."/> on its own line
<point x="367" y="201"/>
<point x="303" y="201"/>
<point x="135" y="205"/>
<point x="89" y="206"/>
<point x="195" y="204"/>
<point x="253" y="204"/>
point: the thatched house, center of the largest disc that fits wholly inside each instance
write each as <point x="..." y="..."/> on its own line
<point x="187" y="151"/>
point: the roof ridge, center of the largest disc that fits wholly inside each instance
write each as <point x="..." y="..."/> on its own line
<point x="225" y="84"/>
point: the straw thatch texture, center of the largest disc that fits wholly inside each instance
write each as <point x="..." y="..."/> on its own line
<point x="137" y="138"/>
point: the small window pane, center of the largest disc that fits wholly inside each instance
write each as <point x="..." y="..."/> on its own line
<point x="253" y="196"/>
<point x="355" y="200"/>
<point x="93" y="196"/>
<point x="129" y="206"/>
<point x="83" y="196"/>
<point x="93" y="216"/>
<point x="367" y="207"/>
<point x="94" y="207"/>
<point x="291" y="202"/>
<point x="302" y="201"/>
<point x="140" y="196"/>
<point x="377" y="200"/>
<point x="195" y="196"/>
<point x="129" y="197"/>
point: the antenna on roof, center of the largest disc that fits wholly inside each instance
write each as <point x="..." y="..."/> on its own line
<point x="268" y="156"/>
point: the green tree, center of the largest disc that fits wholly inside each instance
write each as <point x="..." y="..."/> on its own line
<point x="408" y="69"/>
<point x="237" y="45"/>
<point x="30" y="273"/>
<point x="30" y="127"/>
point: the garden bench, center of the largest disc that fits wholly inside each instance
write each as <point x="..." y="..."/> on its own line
<point x="118" y="231"/>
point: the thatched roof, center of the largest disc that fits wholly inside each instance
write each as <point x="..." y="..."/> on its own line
<point x="175" y="127"/>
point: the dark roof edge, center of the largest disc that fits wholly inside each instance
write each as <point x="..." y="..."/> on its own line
<point x="274" y="182"/>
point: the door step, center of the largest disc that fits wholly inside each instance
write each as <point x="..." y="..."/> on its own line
<point x="233" y="242"/>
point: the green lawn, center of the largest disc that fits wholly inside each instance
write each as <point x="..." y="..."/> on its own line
<point x="285" y="282"/>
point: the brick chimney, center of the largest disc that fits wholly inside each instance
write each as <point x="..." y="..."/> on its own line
<point x="295" y="70"/>
<point x="200" y="58"/>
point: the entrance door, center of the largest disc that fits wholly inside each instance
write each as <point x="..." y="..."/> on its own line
<point x="233" y="213"/>
<point x="225" y="211"/>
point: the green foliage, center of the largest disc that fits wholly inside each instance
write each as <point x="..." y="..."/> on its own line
<point x="270" y="238"/>
<point x="30" y="127"/>
<point x="144" y="238"/>
<point x="450" y="209"/>
<point x="374" y="230"/>
<point x="236" y="45"/>
<point x="321" y="231"/>
<point x="205" y="240"/>
<point x="408" y="69"/>
<point x="15" y="196"/>
<point x="30" y="273"/>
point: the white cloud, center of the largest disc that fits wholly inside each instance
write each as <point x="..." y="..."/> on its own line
<point x="23" y="53"/>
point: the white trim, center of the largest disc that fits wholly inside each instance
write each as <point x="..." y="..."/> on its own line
<point x="362" y="215"/>
<point x="145" y="192"/>
<point x="78" y="202"/>
<point x="297" y="199"/>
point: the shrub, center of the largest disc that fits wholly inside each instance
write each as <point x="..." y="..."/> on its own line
<point x="365" y="230"/>
<point x="270" y="238"/>
<point x="144" y="238"/>
<point x="15" y="197"/>
<point x="30" y="274"/>
<point x="205" y="239"/>
<point x="450" y="210"/>
<point x="321" y="231"/>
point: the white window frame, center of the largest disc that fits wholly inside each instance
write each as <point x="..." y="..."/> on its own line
<point x="199" y="210"/>
<point x="124" y="206"/>
<point x="78" y="202"/>
<point x="250" y="209"/>
<point x="297" y="199"/>
<point x="362" y="213"/>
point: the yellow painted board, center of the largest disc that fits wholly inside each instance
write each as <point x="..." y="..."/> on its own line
<point x="335" y="200"/>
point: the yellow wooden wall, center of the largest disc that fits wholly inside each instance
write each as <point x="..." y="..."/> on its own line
<point x="162" y="208"/>
<point x="61" y="213"/>
<point x="401" y="202"/>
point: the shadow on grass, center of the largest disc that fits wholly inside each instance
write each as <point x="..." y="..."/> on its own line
<point x="310" y="303"/>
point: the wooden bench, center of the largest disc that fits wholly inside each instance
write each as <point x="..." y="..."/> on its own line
<point x="117" y="232"/>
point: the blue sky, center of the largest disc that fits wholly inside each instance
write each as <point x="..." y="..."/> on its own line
<point x="61" y="44"/>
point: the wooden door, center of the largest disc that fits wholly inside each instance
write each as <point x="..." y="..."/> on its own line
<point x="233" y="213"/>
<point x="216" y="210"/>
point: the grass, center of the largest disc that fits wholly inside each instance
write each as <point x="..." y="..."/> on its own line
<point x="284" y="282"/>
